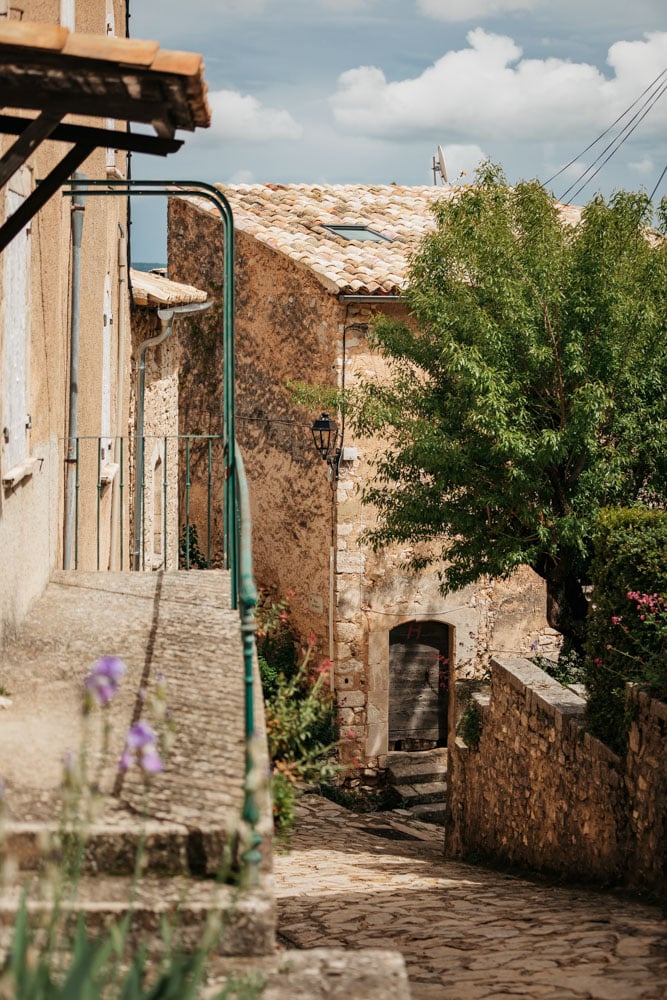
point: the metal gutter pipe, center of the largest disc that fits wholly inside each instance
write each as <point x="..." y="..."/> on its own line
<point x="116" y="505"/>
<point x="78" y="208"/>
<point x="368" y="298"/>
<point x="166" y="317"/>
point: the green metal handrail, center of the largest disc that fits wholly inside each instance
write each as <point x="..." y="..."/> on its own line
<point x="237" y="522"/>
<point x="247" y="594"/>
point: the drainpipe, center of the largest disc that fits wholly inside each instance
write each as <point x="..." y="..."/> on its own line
<point x="78" y="208"/>
<point x="116" y="511"/>
<point x="166" y="317"/>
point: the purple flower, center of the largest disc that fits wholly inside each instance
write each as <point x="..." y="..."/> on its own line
<point x="102" y="682"/>
<point x="140" y="747"/>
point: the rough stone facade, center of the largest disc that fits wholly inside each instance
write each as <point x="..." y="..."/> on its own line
<point x="541" y="792"/>
<point x="307" y="528"/>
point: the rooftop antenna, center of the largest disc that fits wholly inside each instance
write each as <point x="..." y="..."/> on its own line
<point x="439" y="167"/>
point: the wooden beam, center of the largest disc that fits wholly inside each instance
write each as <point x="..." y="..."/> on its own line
<point x="135" y="142"/>
<point x="42" y="193"/>
<point x="29" y="139"/>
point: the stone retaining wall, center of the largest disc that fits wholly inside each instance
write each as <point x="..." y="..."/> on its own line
<point x="541" y="792"/>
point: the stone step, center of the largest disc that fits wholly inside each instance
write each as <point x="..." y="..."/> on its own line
<point x="111" y="847"/>
<point x="420" y="766"/>
<point x="175" y="630"/>
<point x="248" y="916"/>
<point x="433" y="812"/>
<point x="422" y="793"/>
<point x="320" y="974"/>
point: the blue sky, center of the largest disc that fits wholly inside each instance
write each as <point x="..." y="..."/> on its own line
<point x="362" y="91"/>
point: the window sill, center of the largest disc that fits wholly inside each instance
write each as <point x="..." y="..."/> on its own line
<point x="19" y="472"/>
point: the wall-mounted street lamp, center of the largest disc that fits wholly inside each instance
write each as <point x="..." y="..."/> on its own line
<point x="325" y="437"/>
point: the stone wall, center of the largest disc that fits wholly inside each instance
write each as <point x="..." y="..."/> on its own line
<point x="282" y="324"/>
<point x="539" y="791"/>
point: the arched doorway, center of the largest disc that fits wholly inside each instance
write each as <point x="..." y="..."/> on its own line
<point x="418" y="685"/>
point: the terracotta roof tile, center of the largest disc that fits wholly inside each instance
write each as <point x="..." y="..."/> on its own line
<point x="289" y="218"/>
<point x="152" y="290"/>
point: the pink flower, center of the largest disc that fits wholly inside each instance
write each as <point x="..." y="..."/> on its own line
<point x="616" y="619"/>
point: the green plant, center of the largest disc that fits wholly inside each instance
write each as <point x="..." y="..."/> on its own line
<point x="189" y="554"/>
<point x="528" y="393"/>
<point x="299" y="709"/>
<point x="470" y="726"/>
<point x="567" y="669"/>
<point x="627" y="628"/>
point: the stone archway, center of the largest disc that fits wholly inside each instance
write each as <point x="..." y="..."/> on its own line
<point x="419" y="657"/>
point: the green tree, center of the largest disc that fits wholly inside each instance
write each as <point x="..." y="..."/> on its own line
<point x="528" y="392"/>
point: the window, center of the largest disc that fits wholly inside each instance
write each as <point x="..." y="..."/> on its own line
<point x="16" y="350"/>
<point x="359" y="233"/>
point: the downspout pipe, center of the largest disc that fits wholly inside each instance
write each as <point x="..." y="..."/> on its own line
<point x="116" y="511"/>
<point x="78" y="208"/>
<point x="166" y="318"/>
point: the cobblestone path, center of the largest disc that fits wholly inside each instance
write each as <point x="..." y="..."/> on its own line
<point x="467" y="933"/>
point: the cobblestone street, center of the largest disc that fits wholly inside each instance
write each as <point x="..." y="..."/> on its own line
<point x="466" y="933"/>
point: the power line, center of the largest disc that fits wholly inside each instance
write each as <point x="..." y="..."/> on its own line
<point x="615" y="144"/>
<point x="659" y="181"/>
<point x="608" y="129"/>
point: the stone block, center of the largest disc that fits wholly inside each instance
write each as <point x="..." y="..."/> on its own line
<point x="351" y="699"/>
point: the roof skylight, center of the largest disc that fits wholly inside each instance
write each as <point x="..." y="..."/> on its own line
<point x="358" y="233"/>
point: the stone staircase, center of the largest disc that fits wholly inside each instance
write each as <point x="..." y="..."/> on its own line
<point x="176" y="630"/>
<point x="419" y="779"/>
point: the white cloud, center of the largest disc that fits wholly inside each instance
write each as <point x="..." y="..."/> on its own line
<point x="643" y="167"/>
<point x="489" y="91"/>
<point x="241" y="116"/>
<point x="472" y="10"/>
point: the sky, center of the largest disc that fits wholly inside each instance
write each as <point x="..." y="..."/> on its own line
<point x="363" y="91"/>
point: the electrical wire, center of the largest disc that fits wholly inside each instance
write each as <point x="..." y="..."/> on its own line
<point x="607" y="130"/>
<point x="615" y="144"/>
<point x="659" y="182"/>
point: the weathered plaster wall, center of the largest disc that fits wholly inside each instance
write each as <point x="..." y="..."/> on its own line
<point x="541" y="792"/>
<point x="31" y="513"/>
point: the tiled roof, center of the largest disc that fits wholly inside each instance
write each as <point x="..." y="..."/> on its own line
<point x="290" y="218"/>
<point x="153" y="290"/>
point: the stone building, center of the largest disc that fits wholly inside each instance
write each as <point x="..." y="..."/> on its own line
<point x="65" y="343"/>
<point x="156" y="466"/>
<point x="314" y="266"/>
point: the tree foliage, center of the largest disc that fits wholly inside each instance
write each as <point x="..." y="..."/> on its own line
<point x="529" y="390"/>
